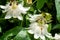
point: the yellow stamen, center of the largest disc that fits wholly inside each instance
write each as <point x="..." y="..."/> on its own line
<point x="14" y="5"/>
<point x="29" y="1"/>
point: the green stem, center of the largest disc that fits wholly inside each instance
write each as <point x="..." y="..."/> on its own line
<point x="22" y="21"/>
<point x="33" y="2"/>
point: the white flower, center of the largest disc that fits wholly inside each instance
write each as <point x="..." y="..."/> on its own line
<point x="57" y="37"/>
<point x="39" y="27"/>
<point x="14" y="10"/>
<point x="39" y="31"/>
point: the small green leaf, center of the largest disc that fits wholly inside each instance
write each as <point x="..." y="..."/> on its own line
<point x="22" y="35"/>
<point x="57" y="3"/>
<point x="49" y="27"/>
<point x="57" y="26"/>
<point x="31" y="9"/>
<point x="40" y="3"/>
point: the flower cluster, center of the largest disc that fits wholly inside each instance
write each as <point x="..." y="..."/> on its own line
<point x="39" y="22"/>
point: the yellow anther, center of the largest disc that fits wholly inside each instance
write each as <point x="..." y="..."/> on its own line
<point x="29" y="1"/>
<point x="14" y="5"/>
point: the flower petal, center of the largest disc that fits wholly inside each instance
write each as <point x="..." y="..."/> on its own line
<point x="30" y="31"/>
<point x="3" y="7"/>
<point x="23" y="9"/>
<point x="8" y="15"/>
<point x="57" y="36"/>
<point x="49" y="36"/>
<point x="36" y="36"/>
<point x="20" y="17"/>
<point x="42" y="37"/>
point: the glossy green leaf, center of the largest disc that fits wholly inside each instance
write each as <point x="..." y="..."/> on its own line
<point x="10" y="33"/>
<point x="22" y="35"/>
<point x="40" y="3"/>
<point x="57" y="3"/>
<point x="57" y="26"/>
<point x="49" y="27"/>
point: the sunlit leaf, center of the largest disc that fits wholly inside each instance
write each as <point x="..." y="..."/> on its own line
<point x="10" y="33"/>
<point x="40" y="3"/>
<point x="57" y="26"/>
<point x="22" y="35"/>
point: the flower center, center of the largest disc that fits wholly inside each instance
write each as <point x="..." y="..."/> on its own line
<point x="13" y="5"/>
<point x="41" y="28"/>
<point x="29" y="1"/>
<point x="41" y="22"/>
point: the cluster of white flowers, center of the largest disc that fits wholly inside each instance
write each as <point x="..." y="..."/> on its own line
<point x="14" y="10"/>
<point x="38" y="25"/>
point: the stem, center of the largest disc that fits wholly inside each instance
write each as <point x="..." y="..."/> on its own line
<point x="33" y="2"/>
<point x="22" y="21"/>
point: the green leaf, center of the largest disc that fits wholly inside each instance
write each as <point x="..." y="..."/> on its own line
<point x="57" y="3"/>
<point x="49" y="27"/>
<point x="57" y="26"/>
<point x="40" y="3"/>
<point x="0" y="29"/>
<point x="22" y="35"/>
<point x="31" y="9"/>
<point x="10" y="33"/>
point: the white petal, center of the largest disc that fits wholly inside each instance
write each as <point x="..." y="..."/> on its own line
<point x="30" y="31"/>
<point x="23" y="9"/>
<point x="46" y="25"/>
<point x="20" y="17"/>
<point x="42" y="37"/>
<point x="36" y="36"/>
<point x="57" y="36"/>
<point x="49" y="36"/>
<point x="3" y="7"/>
<point x="7" y="17"/>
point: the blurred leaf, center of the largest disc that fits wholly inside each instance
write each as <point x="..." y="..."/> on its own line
<point x="57" y="3"/>
<point x="0" y="29"/>
<point x="22" y="35"/>
<point x="57" y="26"/>
<point x="31" y="9"/>
<point x="49" y="27"/>
<point x="40" y="3"/>
<point x="11" y="32"/>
